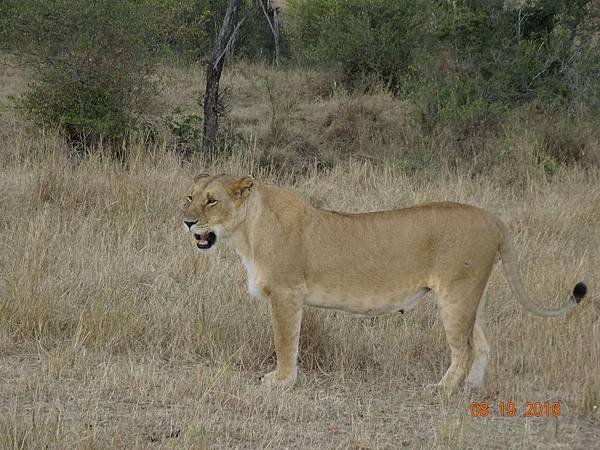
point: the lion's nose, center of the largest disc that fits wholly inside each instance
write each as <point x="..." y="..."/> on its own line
<point x="190" y="224"/>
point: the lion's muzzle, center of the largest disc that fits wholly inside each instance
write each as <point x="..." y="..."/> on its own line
<point x="205" y="241"/>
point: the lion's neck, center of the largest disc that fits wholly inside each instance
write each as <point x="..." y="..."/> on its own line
<point x="268" y="211"/>
<point x="240" y="238"/>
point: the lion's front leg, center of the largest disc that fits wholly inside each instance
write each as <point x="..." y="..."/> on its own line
<point x="286" y="315"/>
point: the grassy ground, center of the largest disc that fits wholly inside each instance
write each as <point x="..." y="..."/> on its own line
<point x="114" y="333"/>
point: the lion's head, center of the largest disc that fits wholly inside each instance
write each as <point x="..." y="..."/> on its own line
<point x="213" y="209"/>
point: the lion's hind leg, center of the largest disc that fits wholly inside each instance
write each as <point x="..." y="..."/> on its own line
<point x="481" y="356"/>
<point x="480" y="346"/>
<point x="458" y="311"/>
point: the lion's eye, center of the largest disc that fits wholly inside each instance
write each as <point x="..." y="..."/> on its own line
<point x="189" y="198"/>
<point x="211" y="202"/>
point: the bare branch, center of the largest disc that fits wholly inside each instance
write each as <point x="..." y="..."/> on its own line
<point x="231" y="38"/>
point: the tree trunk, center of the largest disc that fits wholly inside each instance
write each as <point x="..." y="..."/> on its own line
<point x="213" y="76"/>
<point x="274" y="26"/>
<point x="276" y="36"/>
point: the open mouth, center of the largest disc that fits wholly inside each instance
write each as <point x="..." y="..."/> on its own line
<point x="206" y="240"/>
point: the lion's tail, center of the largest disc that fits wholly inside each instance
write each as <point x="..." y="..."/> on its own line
<point x="511" y="271"/>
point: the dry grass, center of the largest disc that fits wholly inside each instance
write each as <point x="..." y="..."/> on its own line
<point x="114" y="333"/>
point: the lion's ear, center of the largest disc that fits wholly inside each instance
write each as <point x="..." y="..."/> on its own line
<point x="201" y="176"/>
<point x="240" y="188"/>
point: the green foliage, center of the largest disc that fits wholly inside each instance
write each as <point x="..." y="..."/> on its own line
<point x="92" y="79"/>
<point x="464" y="62"/>
<point x="181" y="29"/>
<point x="550" y="167"/>
<point x="362" y="36"/>
<point x="488" y="59"/>
<point x="187" y="130"/>
<point x="514" y="53"/>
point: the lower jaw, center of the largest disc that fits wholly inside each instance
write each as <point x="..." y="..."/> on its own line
<point x="205" y="243"/>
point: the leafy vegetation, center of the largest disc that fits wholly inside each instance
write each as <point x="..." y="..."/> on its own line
<point x="94" y="60"/>
<point x="92" y="76"/>
<point x="464" y="61"/>
<point x="468" y="68"/>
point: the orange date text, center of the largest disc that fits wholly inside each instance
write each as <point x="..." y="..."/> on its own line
<point x="510" y="409"/>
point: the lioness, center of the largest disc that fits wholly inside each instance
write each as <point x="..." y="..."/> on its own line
<point x="370" y="263"/>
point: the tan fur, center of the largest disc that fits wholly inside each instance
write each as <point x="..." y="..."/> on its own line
<point x="369" y="263"/>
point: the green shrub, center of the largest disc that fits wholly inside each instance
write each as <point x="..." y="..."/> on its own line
<point x="464" y="62"/>
<point x="186" y="130"/>
<point x="93" y="75"/>
<point x="362" y="36"/>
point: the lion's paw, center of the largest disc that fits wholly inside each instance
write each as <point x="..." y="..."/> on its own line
<point x="274" y="379"/>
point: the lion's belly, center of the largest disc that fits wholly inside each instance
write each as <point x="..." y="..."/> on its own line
<point x="364" y="304"/>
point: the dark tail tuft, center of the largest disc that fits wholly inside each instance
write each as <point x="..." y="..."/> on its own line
<point x="579" y="291"/>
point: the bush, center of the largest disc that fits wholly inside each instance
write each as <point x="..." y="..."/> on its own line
<point x="93" y="75"/>
<point x="463" y="62"/>
<point x="95" y="59"/>
<point x="362" y="36"/>
<point x="186" y="130"/>
<point x="487" y="60"/>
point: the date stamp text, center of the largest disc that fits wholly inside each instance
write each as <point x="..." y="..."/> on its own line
<point x="511" y="409"/>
